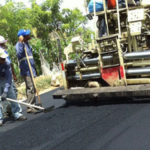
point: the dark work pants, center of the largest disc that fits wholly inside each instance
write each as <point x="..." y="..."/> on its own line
<point x="30" y="90"/>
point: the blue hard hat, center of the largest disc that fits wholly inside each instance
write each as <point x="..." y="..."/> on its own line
<point x="23" y="32"/>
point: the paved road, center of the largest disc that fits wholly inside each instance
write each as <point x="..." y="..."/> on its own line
<point x="122" y="126"/>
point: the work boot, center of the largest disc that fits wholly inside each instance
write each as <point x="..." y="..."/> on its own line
<point x="8" y="115"/>
<point x="21" y="118"/>
<point x="1" y="122"/>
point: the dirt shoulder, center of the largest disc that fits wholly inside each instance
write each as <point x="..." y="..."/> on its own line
<point x="43" y="85"/>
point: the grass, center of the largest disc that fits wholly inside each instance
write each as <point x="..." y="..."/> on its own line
<point x="42" y="83"/>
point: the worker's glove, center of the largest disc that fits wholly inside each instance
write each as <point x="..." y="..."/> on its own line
<point x="4" y="96"/>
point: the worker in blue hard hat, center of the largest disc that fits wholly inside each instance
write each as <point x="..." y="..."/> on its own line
<point x="24" y="37"/>
<point x="6" y="88"/>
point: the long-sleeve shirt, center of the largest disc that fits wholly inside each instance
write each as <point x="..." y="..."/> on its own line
<point x="6" y="74"/>
<point x="23" y="64"/>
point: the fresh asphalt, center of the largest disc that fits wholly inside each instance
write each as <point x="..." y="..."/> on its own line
<point x="81" y="126"/>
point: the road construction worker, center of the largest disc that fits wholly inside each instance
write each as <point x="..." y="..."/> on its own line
<point x="3" y="42"/>
<point x="24" y="37"/>
<point x="6" y="106"/>
<point x="6" y="88"/>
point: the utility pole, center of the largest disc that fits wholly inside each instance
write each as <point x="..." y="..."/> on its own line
<point x="58" y="42"/>
<point x="59" y="49"/>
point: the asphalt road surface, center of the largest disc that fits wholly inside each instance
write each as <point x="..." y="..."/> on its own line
<point x="81" y="126"/>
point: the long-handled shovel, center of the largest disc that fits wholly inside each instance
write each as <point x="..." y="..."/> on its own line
<point x="32" y="77"/>
<point x="31" y="105"/>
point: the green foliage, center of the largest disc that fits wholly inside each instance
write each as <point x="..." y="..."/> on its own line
<point x="71" y="21"/>
<point x="12" y="53"/>
<point x="13" y="17"/>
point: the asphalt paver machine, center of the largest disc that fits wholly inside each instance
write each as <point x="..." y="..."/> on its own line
<point x="117" y="64"/>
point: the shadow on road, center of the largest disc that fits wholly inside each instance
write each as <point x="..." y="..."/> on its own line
<point x="106" y="101"/>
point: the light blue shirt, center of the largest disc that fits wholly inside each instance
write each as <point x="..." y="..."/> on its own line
<point x="6" y="74"/>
